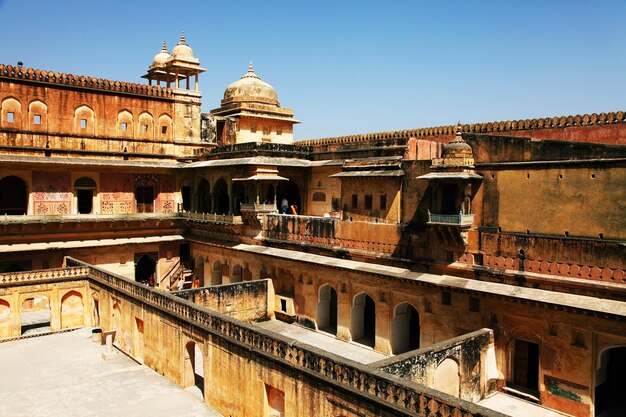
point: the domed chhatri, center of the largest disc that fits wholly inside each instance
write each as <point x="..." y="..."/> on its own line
<point x="457" y="148"/>
<point x="250" y="88"/>
<point x="175" y="67"/>
<point x="160" y="59"/>
<point x="183" y="52"/>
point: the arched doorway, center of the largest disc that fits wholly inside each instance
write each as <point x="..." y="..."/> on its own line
<point x="95" y="314"/>
<point x="327" y="309"/>
<point x="239" y="196"/>
<point x="199" y="269"/>
<point x="35" y="315"/>
<point x="84" y="188"/>
<point x="447" y="378"/>
<point x="405" y="329"/>
<point x="204" y="196"/>
<point x="237" y="274"/>
<point x="72" y="310"/>
<point x="363" y="320"/>
<point x="13" y="196"/>
<point x="609" y="399"/>
<point x="145" y="268"/>
<point x="216" y="274"/>
<point x="290" y="191"/>
<point x="220" y="191"/>
<point x="5" y="319"/>
<point x="194" y="367"/>
<point x="116" y="320"/>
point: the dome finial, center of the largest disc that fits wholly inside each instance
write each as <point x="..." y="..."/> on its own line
<point x="182" y="40"/>
<point x="164" y="47"/>
<point x="250" y="73"/>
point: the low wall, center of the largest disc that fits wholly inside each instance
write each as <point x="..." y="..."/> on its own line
<point x="322" y="231"/>
<point x="458" y="366"/>
<point x="248" y="301"/>
<point x="237" y="354"/>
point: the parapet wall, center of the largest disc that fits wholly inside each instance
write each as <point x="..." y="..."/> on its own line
<point x="81" y="81"/>
<point x="247" y="301"/>
<point x="458" y="366"/>
<point x="601" y="128"/>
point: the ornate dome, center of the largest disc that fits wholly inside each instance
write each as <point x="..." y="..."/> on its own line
<point x="458" y="148"/>
<point x="250" y="88"/>
<point x="161" y="58"/>
<point x="182" y="51"/>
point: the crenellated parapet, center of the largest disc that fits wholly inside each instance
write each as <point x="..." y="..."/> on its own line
<point x="440" y="133"/>
<point x="81" y="81"/>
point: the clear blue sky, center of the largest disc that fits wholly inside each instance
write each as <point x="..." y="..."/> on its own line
<point x="348" y="67"/>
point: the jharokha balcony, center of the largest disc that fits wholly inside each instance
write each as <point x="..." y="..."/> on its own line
<point x="460" y="219"/>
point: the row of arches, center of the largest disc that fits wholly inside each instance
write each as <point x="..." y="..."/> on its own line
<point x="405" y="325"/>
<point x="85" y="120"/>
<point x="36" y="314"/>
<point x="218" y="272"/>
<point x="222" y="197"/>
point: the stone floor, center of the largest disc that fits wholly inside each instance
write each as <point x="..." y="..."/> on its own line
<point x="65" y="375"/>
<point x="513" y="406"/>
<point x="328" y="342"/>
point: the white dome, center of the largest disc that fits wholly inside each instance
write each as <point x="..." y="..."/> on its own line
<point x="162" y="57"/>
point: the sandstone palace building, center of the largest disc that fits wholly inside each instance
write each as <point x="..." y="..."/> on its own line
<point x="465" y="261"/>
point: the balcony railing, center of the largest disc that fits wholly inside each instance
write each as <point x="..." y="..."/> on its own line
<point x="455" y="219"/>
<point x="46" y="218"/>
<point x="261" y="207"/>
<point x="208" y="217"/>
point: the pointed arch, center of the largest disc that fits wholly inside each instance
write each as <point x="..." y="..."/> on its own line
<point x="124" y="124"/>
<point x="11" y="113"/>
<point x="72" y="314"/>
<point x="145" y="128"/>
<point x="327" y="309"/>
<point x="164" y="131"/>
<point x="37" y="115"/>
<point x="363" y="319"/>
<point x="405" y="329"/>
<point x="84" y="120"/>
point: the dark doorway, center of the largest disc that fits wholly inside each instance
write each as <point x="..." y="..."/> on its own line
<point x="145" y="268"/>
<point x="327" y="309"/>
<point x="610" y="377"/>
<point x="204" y="196"/>
<point x="186" y="194"/>
<point x="184" y="252"/>
<point x="13" y="197"/>
<point x="239" y="196"/>
<point x="221" y="196"/>
<point x="405" y="329"/>
<point x="290" y="191"/>
<point x="448" y="199"/>
<point x="526" y="366"/>
<point x="145" y="199"/>
<point x="16" y="266"/>
<point x="85" y="201"/>
<point x="363" y="319"/>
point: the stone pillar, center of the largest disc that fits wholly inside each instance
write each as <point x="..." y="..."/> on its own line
<point x="196" y="79"/>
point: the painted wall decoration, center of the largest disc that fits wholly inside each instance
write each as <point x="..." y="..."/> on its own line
<point x="116" y="194"/>
<point x="166" y="195"/>
<point x="52" y="193"/>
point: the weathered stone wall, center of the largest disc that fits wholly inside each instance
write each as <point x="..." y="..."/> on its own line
<point x="248" y="301"/>
<point x="469" y="352"/>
